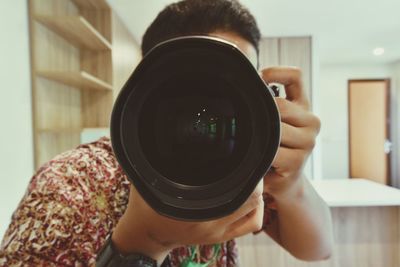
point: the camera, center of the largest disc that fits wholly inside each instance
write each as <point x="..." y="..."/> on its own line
<point x="195" y="128"/>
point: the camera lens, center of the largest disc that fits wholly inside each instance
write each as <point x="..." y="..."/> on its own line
<point x="195" y="128"/>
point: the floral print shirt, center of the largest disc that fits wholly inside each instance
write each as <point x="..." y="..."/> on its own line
<point x="72" y="204"/>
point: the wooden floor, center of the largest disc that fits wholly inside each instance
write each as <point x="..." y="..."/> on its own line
<point x="364" y="236"/>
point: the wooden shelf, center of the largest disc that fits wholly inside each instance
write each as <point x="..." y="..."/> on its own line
<point x="77" y="30"/>
<point x="72" y="130"/>
<point x="88" y="129"/>
<point x="91" y="4"/>
<point x="60" y="130"/>
<point x="80" y="79"/>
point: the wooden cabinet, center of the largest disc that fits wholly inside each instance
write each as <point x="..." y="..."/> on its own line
<point x="364" y="237"/>
<point x="366" y="220"/>
<point x="75" y="47"/>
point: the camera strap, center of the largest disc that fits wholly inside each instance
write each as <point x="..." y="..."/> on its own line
<point x="194" y="250"/>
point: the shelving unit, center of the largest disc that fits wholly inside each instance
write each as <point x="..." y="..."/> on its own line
<point x="73" y="65"/>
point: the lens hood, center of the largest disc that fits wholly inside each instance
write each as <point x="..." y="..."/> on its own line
<point x="195" y="128"/>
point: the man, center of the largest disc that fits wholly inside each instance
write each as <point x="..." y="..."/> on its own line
<point x="81" y="197"/>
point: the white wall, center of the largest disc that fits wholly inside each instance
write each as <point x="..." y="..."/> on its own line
<point x="333" y="112"/>
<point x="16" y="144"/>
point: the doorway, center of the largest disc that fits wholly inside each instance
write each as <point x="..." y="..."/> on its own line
<point x="369" y="129"/>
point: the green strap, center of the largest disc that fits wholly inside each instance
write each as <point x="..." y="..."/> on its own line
<point x="189" y="262"/>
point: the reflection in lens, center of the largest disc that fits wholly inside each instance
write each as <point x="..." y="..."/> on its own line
<point x="194" y="130"/>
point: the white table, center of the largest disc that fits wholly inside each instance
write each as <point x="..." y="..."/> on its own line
<point x="356" y="193"/>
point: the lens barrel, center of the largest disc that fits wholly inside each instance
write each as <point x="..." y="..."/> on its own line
<point x="195" y="128"/>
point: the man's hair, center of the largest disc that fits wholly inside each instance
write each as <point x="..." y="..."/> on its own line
<point x="201" y="17"/>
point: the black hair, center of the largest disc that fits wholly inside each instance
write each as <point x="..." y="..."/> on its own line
<point x="201" y="17"/>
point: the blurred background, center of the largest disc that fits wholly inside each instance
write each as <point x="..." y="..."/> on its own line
<point x="64" y="61"/>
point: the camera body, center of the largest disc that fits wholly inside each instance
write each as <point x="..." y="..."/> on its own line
<point x="195" y="128"/>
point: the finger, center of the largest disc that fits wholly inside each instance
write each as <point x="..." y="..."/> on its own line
<point x="290" y="77"/>
<point x="250" y="223"/>
<point x="288" y="159"/>
<point x="254" y="200"/>
<point x="298" y="138"/>
<point x="296" y="115"/>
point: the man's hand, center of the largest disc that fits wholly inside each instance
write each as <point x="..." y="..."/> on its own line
<point x="299" y="128"/>
<point x="141" y="229"/>
<point x="303" y="225"/>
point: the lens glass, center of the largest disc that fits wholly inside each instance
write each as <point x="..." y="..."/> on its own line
<point x="194" y="128"/>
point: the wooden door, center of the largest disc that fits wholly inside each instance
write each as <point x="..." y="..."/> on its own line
<point x="369" y="146"/>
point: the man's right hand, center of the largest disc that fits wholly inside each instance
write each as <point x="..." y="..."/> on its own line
<point x="143" y="230"/>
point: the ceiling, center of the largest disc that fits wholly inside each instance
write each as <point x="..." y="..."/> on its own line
<point x="346" y="31"/>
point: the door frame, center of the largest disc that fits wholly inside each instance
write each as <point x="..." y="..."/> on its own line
<point x="388" y="122"/>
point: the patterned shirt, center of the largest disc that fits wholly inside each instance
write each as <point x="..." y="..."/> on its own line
<point x="72" y="204"/>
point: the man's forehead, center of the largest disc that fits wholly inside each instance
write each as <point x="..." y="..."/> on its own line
<point x="245" y="46"/>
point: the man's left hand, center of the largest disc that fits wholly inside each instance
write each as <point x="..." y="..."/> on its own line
<point x="299" y="129"/>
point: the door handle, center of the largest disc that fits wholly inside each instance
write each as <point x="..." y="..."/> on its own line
<point x="387" y="146"/>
